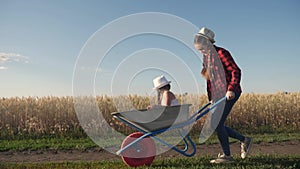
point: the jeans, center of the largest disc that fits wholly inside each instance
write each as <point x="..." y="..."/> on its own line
<point x="225" y="132"/>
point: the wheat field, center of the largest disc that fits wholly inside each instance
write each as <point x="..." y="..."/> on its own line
<point x="35" y="117"/>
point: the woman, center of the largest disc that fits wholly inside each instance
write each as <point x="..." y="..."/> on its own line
<point x="232" y="90"/>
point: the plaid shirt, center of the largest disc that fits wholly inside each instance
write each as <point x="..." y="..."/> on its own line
<point x="232" y="72"/>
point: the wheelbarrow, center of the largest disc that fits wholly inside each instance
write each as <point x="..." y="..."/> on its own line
<point x="139" y="149"/>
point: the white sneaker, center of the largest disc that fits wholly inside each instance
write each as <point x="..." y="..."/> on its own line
<point x="245" y="147"/>
<point x="222" y="159"/>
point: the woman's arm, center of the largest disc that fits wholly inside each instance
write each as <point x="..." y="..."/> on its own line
<point x="230" y="67"/>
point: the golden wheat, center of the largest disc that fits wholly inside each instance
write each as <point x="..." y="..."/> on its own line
<point x="56" y="116"/>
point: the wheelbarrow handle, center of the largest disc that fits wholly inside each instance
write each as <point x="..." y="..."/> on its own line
<point x="200" y="110"/>
<point x="218" y="102"/>
<point x="213" y="105"/>
<point x="203" y="107"/>
<point x="200" y="114"/>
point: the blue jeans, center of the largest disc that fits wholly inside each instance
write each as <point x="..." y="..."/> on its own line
<point x="225" y="132"/>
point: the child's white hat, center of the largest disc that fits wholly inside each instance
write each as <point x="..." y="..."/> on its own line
<point x="160" y="81"/>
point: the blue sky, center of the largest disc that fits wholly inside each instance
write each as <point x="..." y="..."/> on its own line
<point x="41" y="40"/>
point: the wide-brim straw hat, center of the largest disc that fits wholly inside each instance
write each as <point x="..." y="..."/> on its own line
<point x="160" y="81"/>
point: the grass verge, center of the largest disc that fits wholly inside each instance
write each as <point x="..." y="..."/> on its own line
<point x="87" y="143"/>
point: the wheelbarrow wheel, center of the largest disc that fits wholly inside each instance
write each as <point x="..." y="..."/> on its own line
<point x="141" y="153"/>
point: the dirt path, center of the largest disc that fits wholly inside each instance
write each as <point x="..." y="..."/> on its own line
<point x="280" y="148"/>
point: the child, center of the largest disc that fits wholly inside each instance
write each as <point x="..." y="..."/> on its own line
<point x="165" y="96"/>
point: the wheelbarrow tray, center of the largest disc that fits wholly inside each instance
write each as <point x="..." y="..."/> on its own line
<point x="156" y="118"/>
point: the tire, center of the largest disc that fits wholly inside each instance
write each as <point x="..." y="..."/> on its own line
<point x="139" y="154"/>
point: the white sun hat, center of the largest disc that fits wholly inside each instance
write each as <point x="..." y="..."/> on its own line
<point x="207" y="33"/>
<point x="160" y="81"/>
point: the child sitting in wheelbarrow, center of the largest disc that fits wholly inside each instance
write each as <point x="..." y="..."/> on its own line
<point x="165" y="96"/>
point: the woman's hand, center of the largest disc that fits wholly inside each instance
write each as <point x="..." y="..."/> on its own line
<point x="230" y="95"/>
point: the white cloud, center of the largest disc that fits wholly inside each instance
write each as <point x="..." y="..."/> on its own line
<point x="3" y="68"/>
<point x="3" y="58"/>
<point x="10" y="58"/>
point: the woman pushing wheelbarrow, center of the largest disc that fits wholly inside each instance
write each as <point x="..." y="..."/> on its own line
<point x="232" y="87"/>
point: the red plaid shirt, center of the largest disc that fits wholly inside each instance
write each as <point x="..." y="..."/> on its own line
<point x="232" y="75"/>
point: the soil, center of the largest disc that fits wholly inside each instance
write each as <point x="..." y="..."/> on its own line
<point x="40" y="156"/>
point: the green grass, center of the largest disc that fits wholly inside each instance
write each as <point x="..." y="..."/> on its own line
<point x="86" y="143"/>
<point x="254" y="162"/>
<point x="46" y="143"/>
